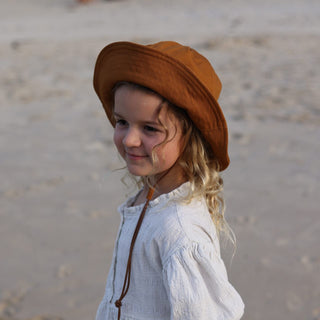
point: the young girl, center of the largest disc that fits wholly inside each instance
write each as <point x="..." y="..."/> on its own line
<point x="171" y="132"/>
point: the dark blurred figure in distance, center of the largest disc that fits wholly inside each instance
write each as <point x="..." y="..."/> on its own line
<point x="84" y="1"/>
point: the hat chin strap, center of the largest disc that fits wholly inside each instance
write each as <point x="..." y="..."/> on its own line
<point x="126" y="282"/>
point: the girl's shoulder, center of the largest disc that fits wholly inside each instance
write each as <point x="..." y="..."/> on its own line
<point x="189" y="219"/>
<point x="179" y="224"/>
<point x="171" y="222"/>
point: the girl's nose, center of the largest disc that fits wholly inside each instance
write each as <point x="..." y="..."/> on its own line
<point x="132" y="138"/>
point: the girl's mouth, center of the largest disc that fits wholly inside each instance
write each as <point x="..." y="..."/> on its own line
<point x="132" y="156"/>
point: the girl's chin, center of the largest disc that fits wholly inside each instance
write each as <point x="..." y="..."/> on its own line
<point x="139" y="172"/>
<point x="145" y="173"/>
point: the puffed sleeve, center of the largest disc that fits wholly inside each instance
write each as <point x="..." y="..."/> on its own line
<point x="197" y="285"/>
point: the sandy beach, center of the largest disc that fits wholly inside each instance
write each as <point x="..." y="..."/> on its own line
<point x="59" y="185"/>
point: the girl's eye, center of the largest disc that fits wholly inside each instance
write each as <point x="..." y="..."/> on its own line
<point x="150" y="129"/>
<point x="121" y="122"/>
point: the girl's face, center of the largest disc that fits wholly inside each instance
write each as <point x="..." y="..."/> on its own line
<point x="140" y="131"/>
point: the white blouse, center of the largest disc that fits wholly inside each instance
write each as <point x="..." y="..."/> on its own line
<point x="177" y="272"/>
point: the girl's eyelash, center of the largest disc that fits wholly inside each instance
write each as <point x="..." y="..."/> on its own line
<point x="121" y="121"/>
<point x="152" y="129"/>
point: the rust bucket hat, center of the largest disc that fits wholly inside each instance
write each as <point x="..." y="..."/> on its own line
<point x="178" y="73"/>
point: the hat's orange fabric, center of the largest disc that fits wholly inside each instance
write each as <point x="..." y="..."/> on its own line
<point x="178" y="73"/>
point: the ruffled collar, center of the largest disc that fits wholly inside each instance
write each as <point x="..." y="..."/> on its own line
<point x="177" y="193"/>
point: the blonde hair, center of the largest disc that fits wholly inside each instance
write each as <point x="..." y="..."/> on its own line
<point x="201" y="169"/>
<point x="199" y="164"/>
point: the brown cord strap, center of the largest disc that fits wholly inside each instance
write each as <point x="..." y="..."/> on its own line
<point x="127" y="277"/>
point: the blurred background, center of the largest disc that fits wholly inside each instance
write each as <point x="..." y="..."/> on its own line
<point x="59" y="189"/>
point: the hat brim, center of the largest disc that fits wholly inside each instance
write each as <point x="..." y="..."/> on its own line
<point x="127" y="61"/>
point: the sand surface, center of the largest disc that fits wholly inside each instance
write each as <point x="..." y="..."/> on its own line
<point x="59" y="190"/>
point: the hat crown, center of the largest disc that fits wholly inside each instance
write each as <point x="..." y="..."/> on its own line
<point x="194" y="61"/>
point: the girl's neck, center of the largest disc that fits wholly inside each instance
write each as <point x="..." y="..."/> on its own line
<point x="163" y="184"/>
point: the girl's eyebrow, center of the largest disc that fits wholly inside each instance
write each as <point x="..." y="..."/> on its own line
<point x="115" y="114"/>
<point x="154" y="123"/>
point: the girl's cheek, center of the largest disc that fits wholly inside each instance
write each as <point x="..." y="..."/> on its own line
<point x="153" y="144"/>
<point x="117" y="139"/>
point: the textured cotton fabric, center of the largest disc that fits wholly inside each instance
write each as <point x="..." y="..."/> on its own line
<point x="177" y="272"/>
